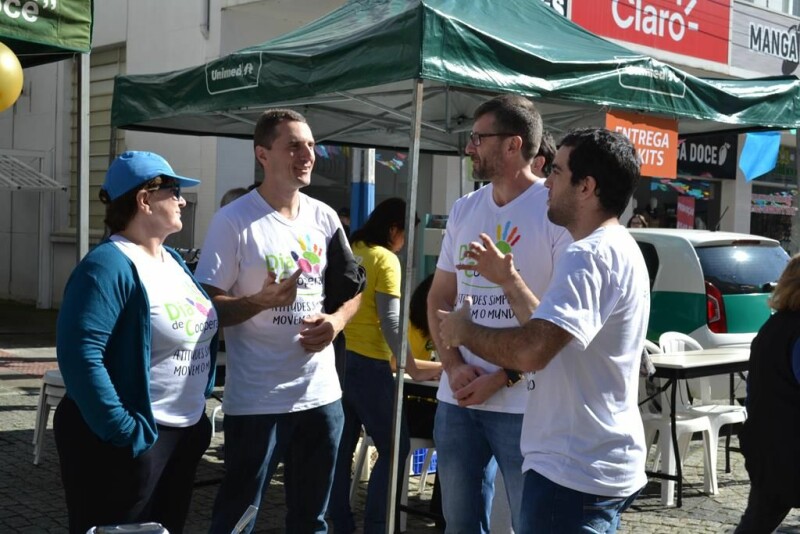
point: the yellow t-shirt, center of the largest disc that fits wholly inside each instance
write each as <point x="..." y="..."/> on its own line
<point x="421" y="345"/>
<point x="363" y="332"/>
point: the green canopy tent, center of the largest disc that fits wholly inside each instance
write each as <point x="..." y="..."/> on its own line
<point x="407" y="74"/>
<point x="47" y="32"/>
<point x="349" y="72"/>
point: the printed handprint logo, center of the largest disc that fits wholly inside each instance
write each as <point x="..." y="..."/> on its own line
<point x="200" y="302"/>
<point x="309" y="262"/>
<point x="199" y="307"/>
<point x="506" y="237"/>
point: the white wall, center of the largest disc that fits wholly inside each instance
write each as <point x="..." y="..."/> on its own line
<point x="736" y="198"/>
<point x="249" y="23"/>
<point x="235" y="165"/>
<point x="33" y="123"/>
<point x="165" y="36"/>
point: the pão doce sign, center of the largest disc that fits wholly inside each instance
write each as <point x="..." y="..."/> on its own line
<point x="696" y="28"/>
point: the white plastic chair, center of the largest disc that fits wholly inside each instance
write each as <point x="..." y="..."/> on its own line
<point x="677" y="342"/>
<point x="651" y="347"/>
<point x="686" y="424"/>
<point x="719" y="415"/>
<point x="50" y="394"/>
<point x="645" y="387"/>
<point x="724" y="412"/>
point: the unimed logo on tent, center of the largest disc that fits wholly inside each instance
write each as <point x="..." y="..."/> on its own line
<point x="233" y="73"/>
<point x="695" y="28"/>
<point x="652" y="77"/>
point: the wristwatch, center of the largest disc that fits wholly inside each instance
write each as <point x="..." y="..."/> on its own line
<point x="512" y="377"/>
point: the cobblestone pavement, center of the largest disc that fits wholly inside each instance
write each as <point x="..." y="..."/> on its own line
<point x="31" y="497"/>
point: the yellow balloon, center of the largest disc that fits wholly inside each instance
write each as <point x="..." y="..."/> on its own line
<point x="10" y="78"/>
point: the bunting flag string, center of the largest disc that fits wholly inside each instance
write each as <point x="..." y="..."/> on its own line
<point x="394" y="164"/>
<point x="329" y="151"/>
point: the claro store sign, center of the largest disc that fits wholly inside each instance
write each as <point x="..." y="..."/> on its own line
<point x="694" y="28"/>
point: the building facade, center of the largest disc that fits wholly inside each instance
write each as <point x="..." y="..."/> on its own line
<point x="37" y="230"/>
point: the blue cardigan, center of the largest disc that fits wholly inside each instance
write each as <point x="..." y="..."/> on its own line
<point x="103" y="347"/>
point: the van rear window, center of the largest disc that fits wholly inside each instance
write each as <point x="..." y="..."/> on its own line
<point x="742" y="269"/>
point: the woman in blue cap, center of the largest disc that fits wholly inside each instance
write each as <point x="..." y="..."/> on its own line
<point x="136" y="345"/>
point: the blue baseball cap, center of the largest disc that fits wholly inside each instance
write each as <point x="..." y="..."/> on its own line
<point x="134" y="168"/>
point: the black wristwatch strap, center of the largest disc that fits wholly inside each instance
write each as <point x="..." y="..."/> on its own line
<point x="512" y="376"/>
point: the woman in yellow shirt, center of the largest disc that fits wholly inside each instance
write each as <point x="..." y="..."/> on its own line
<point x="420" y="412"/>
<point x="371" y="335"/>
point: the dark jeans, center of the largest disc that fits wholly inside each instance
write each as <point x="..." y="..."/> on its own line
<point x="471" y="444"/>
<point x="554" y="509"/>
<point x="368" y="400"/>
<point x="106" y="485"/>
<point x="305" y="441"/>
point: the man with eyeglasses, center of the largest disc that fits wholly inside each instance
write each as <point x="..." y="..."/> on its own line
<point x="479" y="416"/>
<point x="264" y="264"/>
<point x="582" y="437"/>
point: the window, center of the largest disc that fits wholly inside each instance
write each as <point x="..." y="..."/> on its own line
<point x="742" y="269"/>
<point x="650" y="259"/>
<point x="788" y="7"/>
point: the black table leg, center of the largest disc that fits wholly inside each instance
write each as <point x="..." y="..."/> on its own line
<point x="673" y="427"/>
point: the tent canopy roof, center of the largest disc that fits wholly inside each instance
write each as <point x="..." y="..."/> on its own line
<point x="349" y="73"/>
<point x="43" y="32"/>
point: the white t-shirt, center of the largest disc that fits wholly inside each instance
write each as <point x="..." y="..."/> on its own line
<point x="182" y="323"/>
<point x="582" y="427"/>
<point x="520" y="227"/>
<point x="267" y="370"/>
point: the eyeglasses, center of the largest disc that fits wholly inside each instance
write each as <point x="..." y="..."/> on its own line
<point x="475" y="138"/>
<point x="175" y="188"/>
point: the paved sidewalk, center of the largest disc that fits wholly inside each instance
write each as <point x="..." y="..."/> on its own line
<point x="31" y="498"/>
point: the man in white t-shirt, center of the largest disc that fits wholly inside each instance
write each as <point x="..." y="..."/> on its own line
<point x="582" y="435"/>
<point x="479" y="416"/>
<point x="263" y="264"/>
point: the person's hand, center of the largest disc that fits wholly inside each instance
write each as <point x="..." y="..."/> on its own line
<point x="459" y="376"/>
<point x="480" y="390"/>
<point x="425" y="374"/>
<point x="489" y="262"/>
<point x="318" y="331"/>
<point x="274" y="294"/>
<point x="453" y="325"/>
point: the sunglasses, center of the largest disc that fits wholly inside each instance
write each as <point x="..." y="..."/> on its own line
<point x="175" y="188"/>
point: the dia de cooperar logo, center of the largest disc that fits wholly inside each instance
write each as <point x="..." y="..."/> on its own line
<point x="309" y="260"/>
<point x="506" y="236"/>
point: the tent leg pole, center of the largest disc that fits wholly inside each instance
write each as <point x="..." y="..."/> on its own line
<point x="411" y="211"/>
<point x="83" y="157"/>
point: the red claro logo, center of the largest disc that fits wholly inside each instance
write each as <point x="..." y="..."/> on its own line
<point x="696" y="28"/>
<point x="651" y="20"/>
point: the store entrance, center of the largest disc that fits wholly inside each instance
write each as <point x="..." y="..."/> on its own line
<point x="678" y="203"/>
